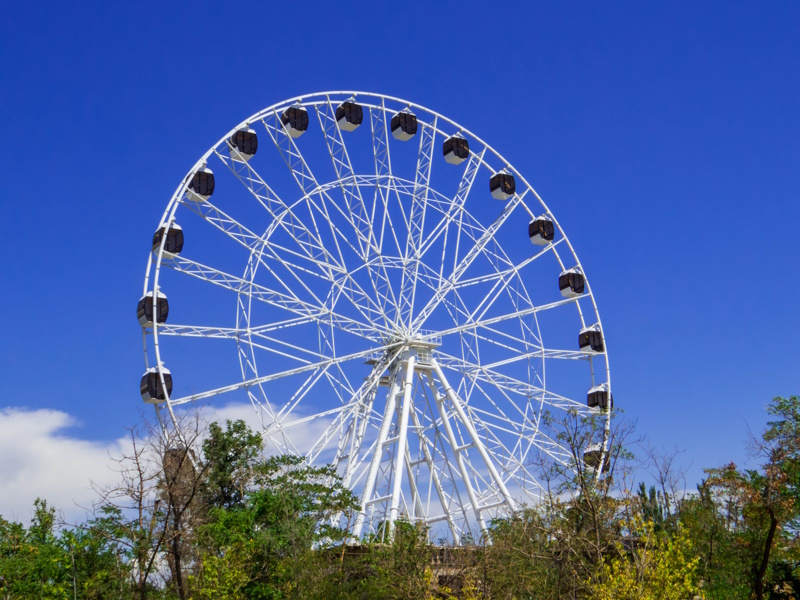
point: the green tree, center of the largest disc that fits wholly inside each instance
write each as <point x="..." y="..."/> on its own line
<point x="761" y="508"/>
<point x="656" y="566"/>
<point x="265" y="517"/>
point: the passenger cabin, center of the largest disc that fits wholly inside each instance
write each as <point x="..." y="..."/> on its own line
<point x="244" y="144"/>
<point x="151" y="387"/>
<point x="404" y="125"/>
<point x="593" y="455"/>
<point x="541" y="231"/>
<point x="590" y="339"/>
<point x="349" y="115"/>
<point x="201" y="186"/>
<point x="571" y="283"/>
<point x="600" y="397"/>
<point x="456" y="149"/>
<point x="295" y="120"/>
<point x="174" y="242"/>
<point x="502" y="185"/>
<point x="144" y="310"/>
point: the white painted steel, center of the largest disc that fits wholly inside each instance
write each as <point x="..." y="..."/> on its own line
<point x="391" y="318"/>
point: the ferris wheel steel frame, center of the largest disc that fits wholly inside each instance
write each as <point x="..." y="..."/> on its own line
<point x="468" y="463"/>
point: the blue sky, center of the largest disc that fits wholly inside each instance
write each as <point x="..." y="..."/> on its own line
<point x="665" y="137"/>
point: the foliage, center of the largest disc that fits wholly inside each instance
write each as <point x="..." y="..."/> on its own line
<point x="39" y="562"/>
<point x="654" y="566"/>
<point x="209" y="516"/>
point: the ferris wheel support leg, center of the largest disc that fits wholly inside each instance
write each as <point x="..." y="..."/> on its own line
<point x="462" y="467"/>
<point x="355" y="446"/>
<point x="462" y="415"/>
<point x="415" y="497"/>
<point x="402" y="443"/>
<point x="372" y="474"/>
<point x="426" y="453"/>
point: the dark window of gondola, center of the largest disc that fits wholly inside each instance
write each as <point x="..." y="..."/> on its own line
<point x="577" y="283"/>
<point x="352" y="113"/>
<point x="245" y="141"/>
<point x="405" y="121"/>
<point x="596" y="341"/>
<point x="157" y="238"/>
<point x="505" y="182"/>
<point x="163" y="310"/>
<point x="546" y="229"/>
<point x="457" y="145"/>
<point x="141" y="308"/>
<point x="296" y="118"/>
<point x="203" y="183"/>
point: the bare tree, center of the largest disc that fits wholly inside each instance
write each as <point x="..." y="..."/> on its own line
<point x="156" y="503"/>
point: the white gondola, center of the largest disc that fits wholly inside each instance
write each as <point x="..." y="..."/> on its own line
<point x="144" y="310"/>
<point x="502" y="185"/>
<point x="590" y="339"/>
<point x="571" y="283"/>
<point x="456" y="149"/>
<point x="541" y="231"/>
<point x="600" y="397"/>
<point x="201" y="186"/>
<point x="349" y="115"/>
<point x="243" y="144"/>
<point x="404" y="125"/>
<point x="174" y="243"/>
<point x="151" y="387"/>
<point x="295" y="120"/>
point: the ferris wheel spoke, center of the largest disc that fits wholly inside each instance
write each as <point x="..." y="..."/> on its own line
<point x="233" y="333"/>
<point x="357" y="210"/>
<point x="454" y="208"/>
<point x="472" y="254"/>
<point x="537" y="438"/>
<point x="277" y="424"/>
<point x="543" y="353"/>
<point x="511" y="384"/>
<point x="304" y="177"/>
<point x="271" y="297"/>
<point x="498" y="274"/>
<point x="515" y="315"/>
<point x="380" y="140"/>
<point x="309" y="186"/>
<point x="326" y="364"/>
<point x="509" y="463"/>
<point x="386" y="184"/>
<point x="416" y="222"/>
<point x="246" y="238"/>
<point x="244" y="335"/>
<point x="282" y="215"/>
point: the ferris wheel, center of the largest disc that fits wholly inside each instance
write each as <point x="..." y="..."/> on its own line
<point x="390" y="295"/>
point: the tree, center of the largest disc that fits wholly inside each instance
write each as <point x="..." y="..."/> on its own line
<point x="763" y="506"/>
<point x="42" y="562"/>
<point x="656" y="566"/>
<point x="265" y="517"/>
<point x="156" y="506"/>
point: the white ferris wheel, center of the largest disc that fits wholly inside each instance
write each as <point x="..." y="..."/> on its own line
<point x="392" y="297"/>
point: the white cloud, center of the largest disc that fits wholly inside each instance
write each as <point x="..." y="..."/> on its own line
<point x="39" y="459"/>
<point x="42" y="456"/>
